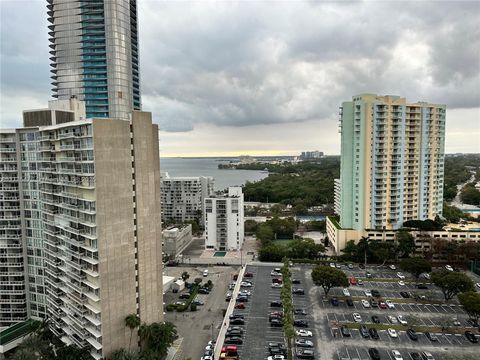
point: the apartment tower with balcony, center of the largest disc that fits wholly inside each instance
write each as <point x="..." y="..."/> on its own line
<point x="224" y="217"/>
<point x="392" y="160"/>
<point x="94" y="55"/>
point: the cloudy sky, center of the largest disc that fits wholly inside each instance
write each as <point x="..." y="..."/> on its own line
<point x="267" y="77"/>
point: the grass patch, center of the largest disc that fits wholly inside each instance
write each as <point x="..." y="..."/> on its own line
<point x="282" y="242"/>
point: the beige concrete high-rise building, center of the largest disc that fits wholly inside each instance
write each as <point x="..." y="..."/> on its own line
<point x="98" y="223"/>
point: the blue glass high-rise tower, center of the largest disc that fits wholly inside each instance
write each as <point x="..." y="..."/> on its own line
<point x="94" y="54"/>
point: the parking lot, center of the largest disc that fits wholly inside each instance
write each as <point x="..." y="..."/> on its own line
<point x="324" y="319"/>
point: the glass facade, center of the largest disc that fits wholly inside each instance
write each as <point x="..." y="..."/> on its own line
<point x="94" y="48"/>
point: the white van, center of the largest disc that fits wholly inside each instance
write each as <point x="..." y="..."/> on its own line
<point x="205" y="273"/>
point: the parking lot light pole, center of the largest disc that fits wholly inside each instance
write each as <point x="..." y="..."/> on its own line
<point x="212" y="332"/>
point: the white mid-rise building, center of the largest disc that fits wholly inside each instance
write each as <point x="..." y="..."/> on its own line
<point x="224" y="218"/>
<point x="183" y="197"/>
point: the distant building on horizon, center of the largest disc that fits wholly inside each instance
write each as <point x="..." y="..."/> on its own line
<point x="183" y="197"/>
<point x="392" y="162"/>
<point x="307" y="155"/>
<point x="94" y="54"/>
<point x="224" y="221"/>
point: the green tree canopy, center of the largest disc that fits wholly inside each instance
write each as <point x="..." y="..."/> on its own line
<point x="132" y="321"/>
<point x="328" y="277"/>
<point x="304" y="249"/>
<point x="470" y="301"/>
<point x="405" y="243"/>
<point x="415" y="266"/>
<point x="452" y="283"/>
<point x="156" y="338"/>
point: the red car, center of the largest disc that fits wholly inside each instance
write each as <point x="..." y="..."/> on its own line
<point x="353" y="281"/>
<point x="277" y="281"/>
<point x="382" y="305"/>
<point x="248" y="275"/>
<point x="240" y="306"/>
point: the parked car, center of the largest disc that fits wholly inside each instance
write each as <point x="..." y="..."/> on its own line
<point x="396" y="355"/>
<point x="415" y="356"/>
<point x="245" y="284"/>
<point x="277" y="285"/>
<point x="373" y="302"/>
<point x="245" y="293"/>
<point x="298" y="291"/>
<point x="299" y="312"/>
<point x="235" y="328"/>
<point x="240" y="306"/>
<point x="471" y="337"/>
<point x="392" y="319"/>
<point x="404" y="294"/>
<point x="392" y="333"/>
<point x="427" y="276"/>
<point x="374" y="333"/>
<point x="376" y="293"/>
<point x="368" y="274"/>
<point x="345" y="331"/>
<point x="431" y="336"/>
<point x="412" y="334"/>
<point x="448" y="267"/>
<point x="334" y="301"/>
<point x="352" y="280"/>
<point x="241" y="298"/>
<point x="364" y="332"/>
<point x="374" y="354"/>
<point x="346" y="292"/>
<point x="360" y="282"/>
<point x="350" y="266"/>
<point x="375" y="319"/>
<point x="277" y="281"/>
<point x="296" y="281"/>
<point x="422" y="286"/>
<point x="236" y="316"/>
<point x="305" y="354"/>
<point x="300" y="323"/>
<point x="248" y="275"/>
<point x="304" y="343"/>
<point x="234" y="340"/>
<point x="368" y="293"/>
<point x="392" y="267"/>
<point x="237" y="322"/>
<point x="275" y="322"/>
<point x="303" y="333"/>
<point x="382" y="305"/>
<point x="427" y="355"/>
<point x="349" y="302"/>
<point x="276" y="303"/>
<point x="233" y="333"/>
<point x="365" y="304"/>
<point x="402" y="320"/>
<point x="400" y="275"/>
<point x="401" y="283"/>
<point x="390" y="304"/>
<point x="184" y="296"/>
<point x="332" y="265"/>
<point x="357" y="317"/>
<point x="198" y="302"/>
<point x="276" y="357"/>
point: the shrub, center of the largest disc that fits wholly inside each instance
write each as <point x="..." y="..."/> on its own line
<point x="171" y="307"/>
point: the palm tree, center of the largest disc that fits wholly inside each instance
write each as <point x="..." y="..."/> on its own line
<point x="364" y="242"/>
<point x="122" y="354"/>
<point x="132" y="321"/>
<point x="145" y="334"/>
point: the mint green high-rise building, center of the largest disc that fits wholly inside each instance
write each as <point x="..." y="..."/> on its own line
<point x="392" y="162"/>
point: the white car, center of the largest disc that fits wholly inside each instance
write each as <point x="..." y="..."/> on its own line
<point x="365" y="304"/>
<point x="275" y="273"/>
<point x="277" y="285"/>
<point x="400" y="275"/>
<point x="426" y="276"/>
<point x="332" y="265"/>
<point x="390" y="304"/>
<point x="392" y="319"/>
<point x="401" y="283"/>
<point x="346" y="292"/>
<point x="206" y="357"/>
<point x="245" y="284"/>
<point x="368" y="293"/>
<point x="210" y="347"/>
<point x="303" y="333"/>
<point x="448" y="267"/>
<point x="427" y="356"/>
<point x="276" y="357"/>
<point x="232" y="286"/>
<point x="245" y="293"/>
<point x="396" y="355"/>
<point x="392" y="333"/>
<point x="357" y="317"/>
<point x="402" y="320"/>
<point x="477" y="285"/>
<point x="393" y="267"/>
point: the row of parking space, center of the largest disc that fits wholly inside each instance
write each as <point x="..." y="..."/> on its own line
<point x="402" y="337"/>
<point x="408" y="307"/>
<point x="360" y="353"/>
<point x="367" y="318"/>
<point x="359" y="291"/>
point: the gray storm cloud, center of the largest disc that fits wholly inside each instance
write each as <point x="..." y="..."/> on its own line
<point x="254" y="63"/>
